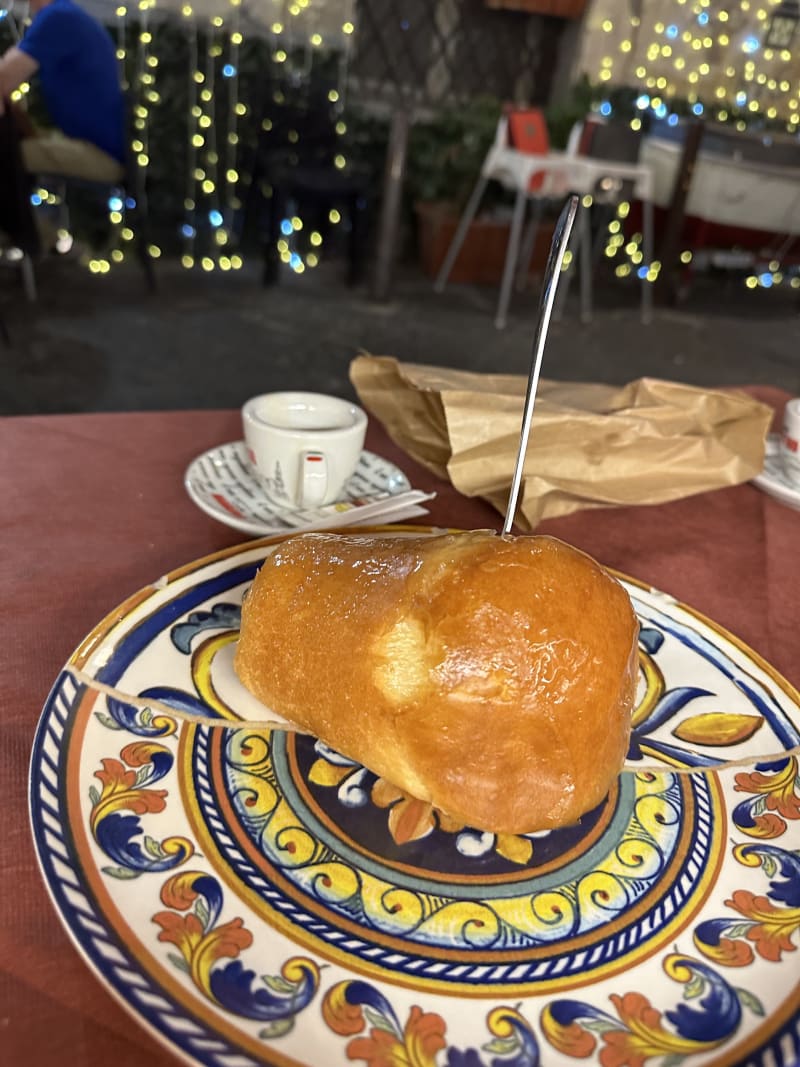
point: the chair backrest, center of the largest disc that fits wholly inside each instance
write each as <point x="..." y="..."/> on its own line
<point x="614" y="143"/>
<point x="527" y="132"/>
<point x="609" y="140"/>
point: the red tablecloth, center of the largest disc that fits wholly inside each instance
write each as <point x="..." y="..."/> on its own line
<point x="93" y="509"/>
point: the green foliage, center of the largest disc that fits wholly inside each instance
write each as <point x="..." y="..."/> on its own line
<point x="446" y="151"/>
<point x="561" y="117"/>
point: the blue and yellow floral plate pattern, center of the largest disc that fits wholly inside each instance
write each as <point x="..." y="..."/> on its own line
<point x="254" y="897"/>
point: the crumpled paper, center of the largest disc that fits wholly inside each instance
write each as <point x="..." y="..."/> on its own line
<point x="591" y="445"/>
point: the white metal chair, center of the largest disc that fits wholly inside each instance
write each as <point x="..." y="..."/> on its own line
<point x="527" y="168"/>
<point x="537" y="174"/>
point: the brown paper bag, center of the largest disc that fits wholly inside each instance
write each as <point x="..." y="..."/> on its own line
<point x="591" y="445"/>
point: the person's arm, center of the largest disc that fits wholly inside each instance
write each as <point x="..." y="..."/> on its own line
<point x="16" y="67"/>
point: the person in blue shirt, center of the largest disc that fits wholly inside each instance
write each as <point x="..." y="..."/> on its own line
<point x="75" y="61"/>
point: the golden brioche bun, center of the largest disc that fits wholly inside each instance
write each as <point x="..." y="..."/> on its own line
<point x="491" y="676"/>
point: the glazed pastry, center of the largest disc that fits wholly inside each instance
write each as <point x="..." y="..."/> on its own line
<point x="492" y="676"/>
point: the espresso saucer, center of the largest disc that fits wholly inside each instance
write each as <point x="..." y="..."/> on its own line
<point x="223" y="483"/>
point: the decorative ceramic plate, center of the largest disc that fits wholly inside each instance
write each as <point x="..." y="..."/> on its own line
<point x="772" y="479"/>
<point x="224" y="484"/>
<point x="253" y="897"/>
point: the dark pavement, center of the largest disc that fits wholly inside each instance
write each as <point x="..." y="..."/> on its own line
<point x="101" y="343"/>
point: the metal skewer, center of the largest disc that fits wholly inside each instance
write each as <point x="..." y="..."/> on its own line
<point x="552" y="275"/>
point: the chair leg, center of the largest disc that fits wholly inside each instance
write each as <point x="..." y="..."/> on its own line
<point x="512" y="255"/>
<point x="602" y="219"/>
<point x="470" y="212"/>
<point x="528" y="244"/>
<point x="63" y="221"/>
<point x="142" y="246"/>
<point x="28" y="278"/>
<point x="142" y="229"/>
<point x="272" y="263"/>
<point x="146" y="261"/>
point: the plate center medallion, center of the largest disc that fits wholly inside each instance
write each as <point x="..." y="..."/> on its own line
<point x="348" y="866"/>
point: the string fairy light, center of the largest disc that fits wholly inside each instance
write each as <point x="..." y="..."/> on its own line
<point x="118" y="204"/>
<point x="698" y="58"/>
<point x="713" y="58"/>
<point x="306" y="40"/>
<point x="147" y="98"/>
<point x="189" y="225"/>
<point x="209" y="184"/>
<point x="295" y="246"/>
<point x="143" y="95"/>
<point x="231" y="73"/>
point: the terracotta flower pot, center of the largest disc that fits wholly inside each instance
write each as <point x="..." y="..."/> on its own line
<point x="482" y="256"/>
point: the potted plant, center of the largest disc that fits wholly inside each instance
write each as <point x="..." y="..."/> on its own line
<point x="444" y="162"/>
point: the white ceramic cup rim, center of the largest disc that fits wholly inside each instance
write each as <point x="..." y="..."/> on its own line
<point x="250" y="412"/>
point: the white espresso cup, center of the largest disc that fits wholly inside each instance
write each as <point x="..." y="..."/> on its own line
<point x="304" y="446"/>
<point x="789" y="450"/>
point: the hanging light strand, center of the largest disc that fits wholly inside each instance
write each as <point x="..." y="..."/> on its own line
<point x="210" y="184"/>
<point x="231" y="72"/>
<point x="189" y="227"/>
<point x="715" y="61"/>
<point x="122" y="44"/>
